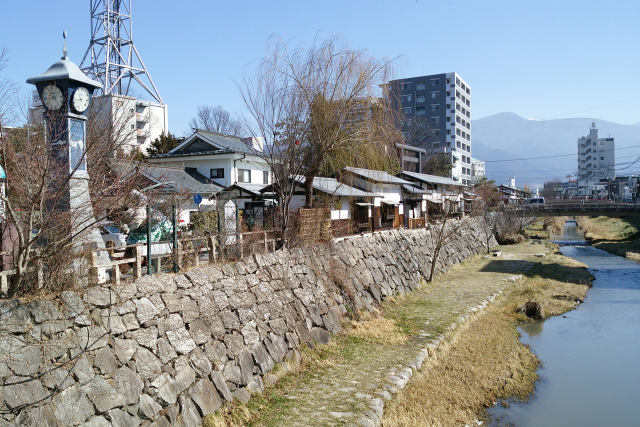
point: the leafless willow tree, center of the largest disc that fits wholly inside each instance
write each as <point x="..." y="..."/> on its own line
<point x="308" y="105"/>
<point x="216" y="119"/>
<point x="47" y="213"/>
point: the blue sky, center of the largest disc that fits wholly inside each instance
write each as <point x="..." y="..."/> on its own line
<point x="543" y="59"/>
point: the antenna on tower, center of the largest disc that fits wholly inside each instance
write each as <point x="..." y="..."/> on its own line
<point x="112" y="58"/>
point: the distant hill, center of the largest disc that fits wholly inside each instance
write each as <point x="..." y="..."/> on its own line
<point x="509" y="136"/>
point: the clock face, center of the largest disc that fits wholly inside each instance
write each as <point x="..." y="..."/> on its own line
<point x="80" y="99"/>
<point x="52" y="97"/>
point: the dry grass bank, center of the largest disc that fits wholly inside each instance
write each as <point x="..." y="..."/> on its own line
<point x="484" y="361"/>
<point x="543" y="228"/>
<point x="619" y="236"/>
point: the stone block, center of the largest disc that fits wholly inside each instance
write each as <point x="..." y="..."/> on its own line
<point x="100" y="296"/>
<point x="103" y="395"/>
<point x="129" y="384"/>
<point x="181" y="341"/>
<point x="205" y="396"/>
<point x="124" y="349"/>
<point x="200" y="331"/>
<point x="200" y="363"/>
<point x="120" y="418"/>
<point x="72" y="406"/>
<point x="145" y="310"/>
<point x="105" y="361"/>
<point x="221" y="385"/>
<point x="148" y="408"/>
<point x="262" y="358"/>
<point x="147" y="365"/>
<point x="245" y="361"/>
<point x="320" y="336"/>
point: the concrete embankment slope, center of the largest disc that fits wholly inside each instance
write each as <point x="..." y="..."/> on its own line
<point x="171" y="348"/>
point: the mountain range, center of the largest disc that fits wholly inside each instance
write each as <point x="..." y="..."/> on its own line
<point x="506" y="136"/>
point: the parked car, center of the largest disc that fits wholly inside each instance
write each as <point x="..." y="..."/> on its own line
<point x="534" y="201"/>
<point x="112" y="235"/>
<point x="160" y="232"/>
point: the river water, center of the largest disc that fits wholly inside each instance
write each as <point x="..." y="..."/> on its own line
<point x="590" y="373"/>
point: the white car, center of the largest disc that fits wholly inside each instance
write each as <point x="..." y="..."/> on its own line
<point x="112" y="235"/>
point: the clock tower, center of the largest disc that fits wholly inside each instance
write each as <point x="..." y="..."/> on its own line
<point x="65" y="92"/>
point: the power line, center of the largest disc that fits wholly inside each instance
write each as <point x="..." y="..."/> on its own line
<point x="555" y="155"/>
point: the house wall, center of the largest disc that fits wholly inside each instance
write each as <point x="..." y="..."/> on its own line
<point x="341" y="211"/>
<point x="229" y="162"/>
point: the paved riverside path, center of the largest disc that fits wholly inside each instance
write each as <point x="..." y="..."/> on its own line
<point x="337" y="389"/>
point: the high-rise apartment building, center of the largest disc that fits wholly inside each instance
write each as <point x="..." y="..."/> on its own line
<point x="436" y="116"/>
<point x="596" y="160"/>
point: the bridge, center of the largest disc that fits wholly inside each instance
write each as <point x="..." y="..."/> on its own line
<point x="580" y="208"/>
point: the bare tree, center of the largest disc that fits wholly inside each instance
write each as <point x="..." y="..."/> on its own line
<point x="47" y="211"/>
<point x="443" y="231"/>
<point x="7" y="94"/>
<point x="277" y="114"/>
<point x="216" y="119"/>
<point x="485" y="208"/>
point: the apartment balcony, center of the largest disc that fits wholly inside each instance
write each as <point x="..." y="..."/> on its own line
<point x="142" y="117"/>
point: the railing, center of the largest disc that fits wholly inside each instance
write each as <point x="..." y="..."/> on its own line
<point x="188" y="253"/>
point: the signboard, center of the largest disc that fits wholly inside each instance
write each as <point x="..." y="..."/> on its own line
<point x="197" y="199"/>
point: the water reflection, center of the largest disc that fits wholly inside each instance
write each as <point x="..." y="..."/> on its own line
<point x="533" y="329"/>
<point x="571" y="235"/>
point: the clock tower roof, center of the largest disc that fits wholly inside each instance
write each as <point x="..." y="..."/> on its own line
<point x="64" y="70"/>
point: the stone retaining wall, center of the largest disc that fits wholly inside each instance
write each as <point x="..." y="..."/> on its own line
<point x="168" y="349"/>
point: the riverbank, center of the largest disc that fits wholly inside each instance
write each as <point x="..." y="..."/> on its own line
<point x="619" y="236"/>
<point x="479" y="361"/>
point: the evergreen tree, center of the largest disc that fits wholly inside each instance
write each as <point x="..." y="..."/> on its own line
<point x="163" y="144"/>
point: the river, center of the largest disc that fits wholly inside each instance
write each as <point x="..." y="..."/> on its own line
<point x="590" y="372"/>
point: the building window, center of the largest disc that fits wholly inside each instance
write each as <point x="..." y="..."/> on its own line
<point x="216" y="173"/>
<point x="406" y="86"/>
<point x="435" y="82"/>
<point x="435" y="121"/>
<point x="406" y="98"/>
<point x="407" y="110"/>
<point x="435" y="107"/>
<point x="434" y="95"/>
<point x="244" y="175"/>
<point x="420" y="98"/>
<point x="265" y="177"/>
<point x="420" y="111"/>
<point x="420" y="86"/>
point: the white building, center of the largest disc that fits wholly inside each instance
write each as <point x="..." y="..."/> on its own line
<point x="388" y="203"/>
<point x="232" y="162"/>
<point x="596" y="161"/>
<point x="477" y="169"/>
<point x="135" y="122"/>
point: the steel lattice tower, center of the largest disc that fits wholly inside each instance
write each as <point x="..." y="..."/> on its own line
<point x="112" y="58"/>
